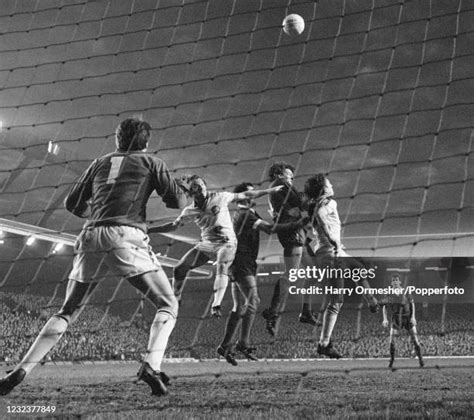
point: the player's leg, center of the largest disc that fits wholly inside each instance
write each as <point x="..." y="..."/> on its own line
<point x="156" y="287"/>
<point x="132" y="257"/>
<point x="322" y="309"/>
<point x="353" y="263"/>
<point x="393" y="333"/>
<point x="77" y="294"/>
<point x="248" y="286"/>
<point x="235" y="315"/>
<point x="306" y="315"/>
<point x="87" y="264"/>
<point x="416" y="343"/>
<point x="192" y="259"/>
<point x="292" y="259"/>
<point x="225" y="257"/>
<point x="330" y="316"/>
<point x="233" y="321"/>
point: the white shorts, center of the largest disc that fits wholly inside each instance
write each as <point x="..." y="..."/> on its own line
<point x="225" y="252"/>
<point x="123" y="250"/>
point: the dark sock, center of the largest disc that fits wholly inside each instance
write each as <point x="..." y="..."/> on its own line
<point x="275" y="303"/>
<point x="231" y="327"/>
<point x="418" y="351"/>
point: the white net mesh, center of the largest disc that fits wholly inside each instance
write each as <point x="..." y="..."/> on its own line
<point x="377" y="94"/>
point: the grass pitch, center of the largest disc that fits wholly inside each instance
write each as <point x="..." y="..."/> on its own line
<point x="273" y="390"/>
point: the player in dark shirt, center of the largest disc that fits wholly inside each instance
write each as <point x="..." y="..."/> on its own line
<point x="286" y="206"/>
<point x="403" y="316"/>
<point x="247" y="226"/>
<point x="112" y="194"/>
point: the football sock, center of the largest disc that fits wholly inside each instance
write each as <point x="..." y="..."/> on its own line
<point x="392" y="351"/>
<point x="160" y="331"/>
<point x="283" y="287"/>
<point x="231" y="327"/>
<point x="306" y="308"/>
<point x="47" y="338"/>
<point x="220" y="286"/>
<point x="306" y="299"/>
<point x="247" y="323"/>
<point x="329" y="321"/>
<point x="418" y="351"/>
<point x="275" y="303"/>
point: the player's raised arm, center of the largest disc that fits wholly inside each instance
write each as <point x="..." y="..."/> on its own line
<point x="173" y="191"/>
<point x="270" y="228"/>
<point x="167" y="227"/>
<point x="253" y="194"/>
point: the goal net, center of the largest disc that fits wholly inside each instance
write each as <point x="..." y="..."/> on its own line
<point x="375" y="94"/>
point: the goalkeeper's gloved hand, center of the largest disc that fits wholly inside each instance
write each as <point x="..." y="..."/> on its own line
<point x="216" y="311"/>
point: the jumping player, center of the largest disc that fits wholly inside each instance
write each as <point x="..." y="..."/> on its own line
<point x="247" y="226"/>
<point x="286" y="206"/>
<point x="211" y="213"/>
<point x="330" y="253"/>
<point x="403" y="316"/>
<point x="112" y="194"/>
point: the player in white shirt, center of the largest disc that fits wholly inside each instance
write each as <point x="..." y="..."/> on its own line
<point x="211" y="213"/>
<point x="330" y="253"/>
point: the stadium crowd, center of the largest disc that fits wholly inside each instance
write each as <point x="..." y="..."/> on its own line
<point x="98" y="335"/>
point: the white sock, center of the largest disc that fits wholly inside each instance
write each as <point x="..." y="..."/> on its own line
<point x="47" y="338"/>
<point x="220" y="286"/>
<point x="160" y="331"/>
<point x="329" y="321"/>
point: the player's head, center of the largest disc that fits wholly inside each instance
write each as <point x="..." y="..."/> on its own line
<point x="282" y="170"/>
<point x="132" y="134"/>
<point x="197" y="186"/>
<point x="245" y="186"/>
<point x="396" y="280"/>
<point x="318" y="186"/>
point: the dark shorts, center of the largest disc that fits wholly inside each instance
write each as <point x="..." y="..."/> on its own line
<point x="243" y="265"/>
<point x="291" y="239"/>
<point x="400" y="321"/>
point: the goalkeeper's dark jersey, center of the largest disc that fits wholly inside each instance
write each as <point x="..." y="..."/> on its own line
<point x="117" y="187"/>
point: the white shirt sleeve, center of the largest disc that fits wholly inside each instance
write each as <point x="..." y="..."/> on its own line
<point x="188" y="212"/>
<point x="227" y="198"/>
<point x="258" y="222"/>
